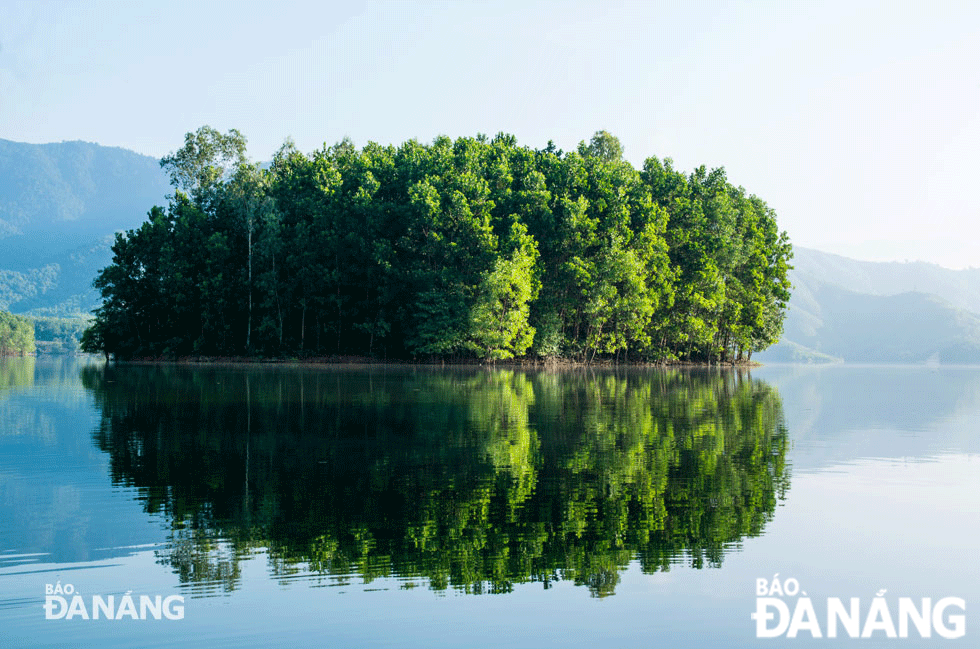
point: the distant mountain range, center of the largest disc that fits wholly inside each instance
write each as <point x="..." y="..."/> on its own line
<point x="874" y="312"/>
<point x="61" y="203"/>
<point x="59" y="207"/>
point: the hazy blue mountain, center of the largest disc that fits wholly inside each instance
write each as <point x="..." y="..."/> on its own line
<point x="961" y="288"/>
<point x="59" y="207"/>
<point x="62" y="286"/>
<point x="871" y="312"/>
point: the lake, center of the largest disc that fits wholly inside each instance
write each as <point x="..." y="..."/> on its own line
<point x="430" y="507"/>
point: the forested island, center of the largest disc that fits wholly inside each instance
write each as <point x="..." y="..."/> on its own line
<point x="476" y="248"/>
<point x="16" y="335"/>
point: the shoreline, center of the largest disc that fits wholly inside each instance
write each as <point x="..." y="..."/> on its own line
<point x="359" y="361"/>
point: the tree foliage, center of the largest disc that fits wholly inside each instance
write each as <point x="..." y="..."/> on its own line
<point x="472" y="248"/>
<point x="58" y="335"/>
<point x="16" y="335"/>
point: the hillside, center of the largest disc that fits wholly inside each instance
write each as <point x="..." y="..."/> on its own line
<point x="62" y="286"/>
<point x="868" y="312"/>
<point x="59" y="206"/>
<point x="961" y="288"/>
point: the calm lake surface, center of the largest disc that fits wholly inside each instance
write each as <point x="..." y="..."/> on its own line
<point x="427" y="507"/>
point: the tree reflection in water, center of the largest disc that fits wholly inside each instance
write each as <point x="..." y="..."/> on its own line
<point x="471" y="479"/>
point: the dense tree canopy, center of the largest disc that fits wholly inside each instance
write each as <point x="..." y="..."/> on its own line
<point x="16" y="335"/>
<point x="473" y="248"/>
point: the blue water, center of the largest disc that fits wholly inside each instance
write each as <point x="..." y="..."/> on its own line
<point x="417" y="507"/>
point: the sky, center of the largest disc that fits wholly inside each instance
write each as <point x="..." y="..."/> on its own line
<point x="857" y="122"/>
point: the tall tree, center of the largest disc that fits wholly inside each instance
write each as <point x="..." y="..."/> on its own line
<point x="248" y="197"/>
<point x="204" y="162"/>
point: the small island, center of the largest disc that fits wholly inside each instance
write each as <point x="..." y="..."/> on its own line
<point x="474" y="249"/>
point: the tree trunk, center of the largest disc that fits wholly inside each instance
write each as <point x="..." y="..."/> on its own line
<point x="248" y="336"/>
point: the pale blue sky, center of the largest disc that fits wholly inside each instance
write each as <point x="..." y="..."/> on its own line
<point x="858" y="122"/>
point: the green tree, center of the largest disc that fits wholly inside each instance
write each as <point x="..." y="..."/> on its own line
<point x="473" y="248"/>
<point x="16" y="335"/>
<point x="204" y="162"/>
<point x="247" y="195"/>
<point x="499" y="318"/>
<point x="604" y="146"/>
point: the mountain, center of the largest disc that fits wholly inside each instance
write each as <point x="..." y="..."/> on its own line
<point x="961" y="288"/>
<point x="878" y="312"/>
<point x="59" y="207"/>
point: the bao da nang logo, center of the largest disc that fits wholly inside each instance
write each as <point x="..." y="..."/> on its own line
<point x="64" y="603"/>
<point x="782" y="608"/>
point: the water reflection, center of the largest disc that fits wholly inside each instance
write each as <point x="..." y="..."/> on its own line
<point x="15" y="372"/>
<point x="472" y="480"/>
